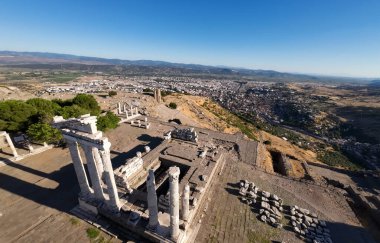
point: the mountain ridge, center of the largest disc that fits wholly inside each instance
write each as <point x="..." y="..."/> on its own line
<point x="26" y="58"/>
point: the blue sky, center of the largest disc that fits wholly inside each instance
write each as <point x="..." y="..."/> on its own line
<point x="331" y="37"/>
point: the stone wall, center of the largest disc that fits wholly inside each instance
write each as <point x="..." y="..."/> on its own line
<point x="364" y="203"/>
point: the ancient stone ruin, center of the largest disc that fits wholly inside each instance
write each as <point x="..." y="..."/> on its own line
<point x="127" y="112"/>
<point x="82" y="133"/>
<point x="269" y="205"/>
<point x="187" y="134"/>
<point x="141" y="123"/>
<point x="157" y="95"/>
<point x="304" y="223"/>
<point x="156" y="194"/>
<point x="307" y="226"/>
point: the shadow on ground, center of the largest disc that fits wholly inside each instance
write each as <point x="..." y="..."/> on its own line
<point x="121" y="157"/>
<point x="62" y="198"/>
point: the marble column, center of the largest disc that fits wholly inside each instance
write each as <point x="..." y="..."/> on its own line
<point x="124" y="108"/>
<point x="85" y="189"/>
<point x="10" y="143"/>
<point x="185" y="203"/>
<point x="98" y="161"/>
<point x="94" y="175"/>
<point x="174" y="202"/>
<point x="152" y="201"/>
<point x="119" y="108"/>
<point x="113" y="203"/>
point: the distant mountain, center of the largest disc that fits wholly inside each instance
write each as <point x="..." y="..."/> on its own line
<point x="13" y="57"/>
<point x="45" y="60"/>
<point x="375" y="83"/>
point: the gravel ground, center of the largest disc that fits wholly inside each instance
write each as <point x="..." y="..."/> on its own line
<point x="36" y="195"/>
<point x="230" y="220"/>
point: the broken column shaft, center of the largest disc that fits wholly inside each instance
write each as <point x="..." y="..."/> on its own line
<point x="152" y="201"/>
<point x="174" y="202"/>
<point x="185" y="203"/>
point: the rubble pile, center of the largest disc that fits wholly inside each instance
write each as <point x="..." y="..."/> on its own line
<point x="187" y="134"/>
<point x="270" y="205"/>
<point x="307" y="226"/>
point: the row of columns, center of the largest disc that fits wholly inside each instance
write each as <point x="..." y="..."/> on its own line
<point x="99" y="166"/>
<point x="174" y="173"/>
<point x="133" y="111"/>
<point x="123" y="109"/>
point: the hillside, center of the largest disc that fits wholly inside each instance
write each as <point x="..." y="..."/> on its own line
<point x="202" y="112"/>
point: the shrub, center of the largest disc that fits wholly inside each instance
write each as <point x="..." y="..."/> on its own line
<point x="92" y="233"/>
<point x="147" y="90"/>
<point x="336" y="158"/>
<point x="112" y="93"/>
<point x="165" y="93"/>
<point x="172" y="105"/>
<point x="109" y="121"/>
<point x="74" y="221"/>
<point x="267" y="142"/>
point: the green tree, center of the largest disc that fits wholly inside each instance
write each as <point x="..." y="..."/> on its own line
<point x="87" y="102"/>
<point x="73" y="111"/>
<point x="165" y="93"/>
<point x="112" y="93"/>
<point x="41" y="117"/>
<point x="172" y="105"/>
<point x="63" y="103"/>
<point x="108" y="121"/>
<point x="147" y="90"/>
<point x="15" y="115"/>
<point x="42" y="132"/>
<point x="45" y="106"/>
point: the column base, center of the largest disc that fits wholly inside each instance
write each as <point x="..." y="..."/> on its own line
<point x="83" y="204"/>
<point x="152" y="227"/>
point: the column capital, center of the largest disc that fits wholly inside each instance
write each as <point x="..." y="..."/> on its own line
<point x="174" y="173"/>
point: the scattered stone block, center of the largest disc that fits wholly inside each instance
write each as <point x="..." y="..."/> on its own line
<point x="322" y="223"/>
<point x="297" y="230"/>
<point x="263" y="218"/>
<point x="265" y="194"/>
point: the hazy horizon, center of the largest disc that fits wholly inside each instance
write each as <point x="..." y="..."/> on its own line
<point x="338" y="38"/>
